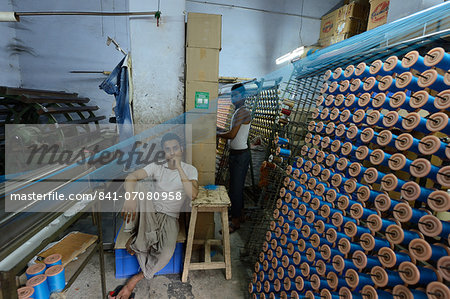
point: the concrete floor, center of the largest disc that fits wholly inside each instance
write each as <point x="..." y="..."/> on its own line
<point x="201" y="284"/>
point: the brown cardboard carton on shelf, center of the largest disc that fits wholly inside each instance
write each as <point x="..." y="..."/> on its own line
<point x="351" y="18"/>
<point x="201" y="96"/>
<point x="360" y="2"/>
<point x="352" y="9"/>
<point x="350" y="25"/>
<point x="378" y="13"/>
<point x="204" y="30"/>
<point x="327" y="25"/>
<point x="202" y="64"/>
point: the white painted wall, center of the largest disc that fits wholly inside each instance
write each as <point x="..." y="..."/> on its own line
<point x="252" y="40"/>
<point x="9" y="60"/>
<point x="399" y="8"/>
<point x="60" y="44"/>
<point x="158" y="61"/>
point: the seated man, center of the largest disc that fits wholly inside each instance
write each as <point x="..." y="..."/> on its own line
<point x="155" y="240"/>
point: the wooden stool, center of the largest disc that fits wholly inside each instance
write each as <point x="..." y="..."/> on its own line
<point x="209" y="201"/>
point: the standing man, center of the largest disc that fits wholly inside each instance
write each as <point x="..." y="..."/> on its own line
<point x="239" y="153"/>
<point x="157" y="227"/>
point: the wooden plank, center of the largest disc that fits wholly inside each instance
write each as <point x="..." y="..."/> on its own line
<point x="199" y="242"/>
<point x="83" y="121"/>
<point x="207" y="266"/>
<point x="9" y="285"/>
<point x="73" y="269"/>
<point x="214" y="242"/>
<point x="19" y="91"/>
<point x="226" y="243"/>
<point x="30" y="100"/>
<point x="208" y="251"/>
<point x="204" y="208"/>
<point x="190" y="241"/>
<point x="8" y="101"/>
<point x="56" y="110"/>
<point x="218" y="197"/>
<point x="70" y="246"/>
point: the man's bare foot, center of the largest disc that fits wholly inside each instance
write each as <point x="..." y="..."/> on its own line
<point x="129" y="286"/>
<point x="124" y="293"/>
<point x="128" y="245"/>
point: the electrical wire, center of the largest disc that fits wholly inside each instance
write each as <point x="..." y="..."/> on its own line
<point x="255" y="9"/>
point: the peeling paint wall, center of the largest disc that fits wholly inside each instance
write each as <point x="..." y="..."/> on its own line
<point x="48" y="48"/>
<point x="56" y="45"/>
<point x="9" y="50"/>
<point x="158" y="61"/>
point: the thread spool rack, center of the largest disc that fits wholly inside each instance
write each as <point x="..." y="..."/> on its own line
<point x="368" y="180"/>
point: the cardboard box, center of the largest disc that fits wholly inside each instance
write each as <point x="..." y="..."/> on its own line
<point x="202" y="96"/>
<point x="327" y="25"/>
<point x="204" y="157"/>
<point x="203" y="126"/>
<point x="353" y="9"/>
<point x="350" y="25"/>
<point x="202" y="64"/>
<point x="204" y="31"/>
<point x="206" y="177"/>
<point x="361" y="2"/>
<point x="351" y="18"/>
<point x="378" y="13"/>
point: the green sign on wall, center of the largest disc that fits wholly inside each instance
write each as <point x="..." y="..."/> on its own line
<point x="201" y="100"/>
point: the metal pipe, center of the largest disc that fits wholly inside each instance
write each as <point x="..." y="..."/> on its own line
<point x="15" y="16"/>
<point x="84" y="13"/>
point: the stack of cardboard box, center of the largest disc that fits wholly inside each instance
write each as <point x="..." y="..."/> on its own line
<point x="203" y="44"/>
<point x="378" y="13"/>
<point x="342" y="23"/>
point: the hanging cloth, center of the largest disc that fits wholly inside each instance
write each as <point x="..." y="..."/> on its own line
<point x="118" y="84"/>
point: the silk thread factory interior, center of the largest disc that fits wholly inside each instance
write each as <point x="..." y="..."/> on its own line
<point x="225" y="149"/>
